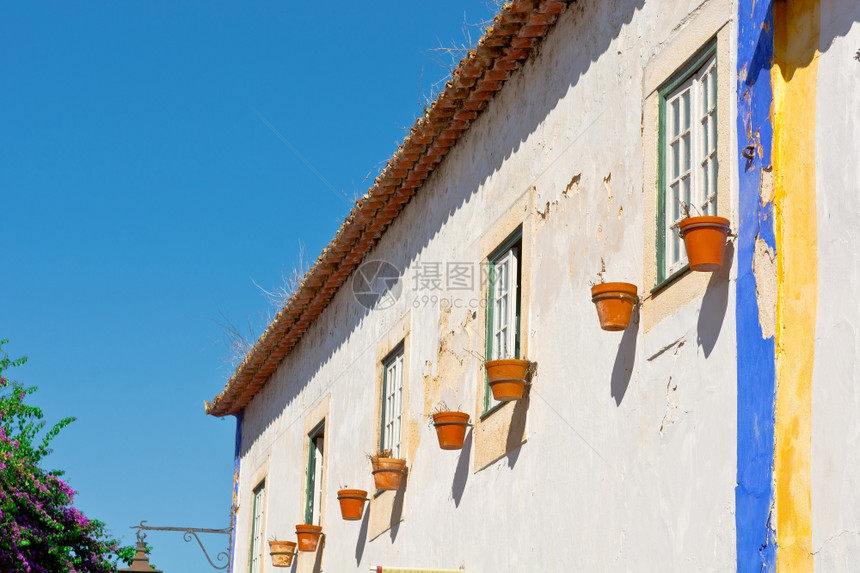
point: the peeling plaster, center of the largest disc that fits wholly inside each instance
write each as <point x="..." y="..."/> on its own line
<point x="606" y="183"/>
<point x="764" y="269"/>
<point x="545" y="213"/>
<point x="767" y="185"/>
<point x="572" y="187"/>
<point x="441" y="383"/>
<point x="672" y="416"/>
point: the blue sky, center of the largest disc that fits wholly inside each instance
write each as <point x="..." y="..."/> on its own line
<point x="143" y="192"/>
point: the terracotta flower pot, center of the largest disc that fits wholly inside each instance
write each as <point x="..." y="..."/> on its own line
<point x="705" y="240"/>
<point x="451" y="429"/>
<point x="351" y="503"/>
<point x="282" y="553"/>
<point x="614" y="302"/>
<point x="507" y="378"/>
<point x="308" y="536"/>
<point x="387" y="472"/>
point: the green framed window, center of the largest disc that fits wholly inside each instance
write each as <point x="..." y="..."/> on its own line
<point x="257" y="513"/>
<point x="314" y="490"/>
<point x="504" y="302"/>
<point x="392" y="402"/>
<point x="687" y="156"/>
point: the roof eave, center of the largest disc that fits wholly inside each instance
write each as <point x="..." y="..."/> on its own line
<point x="516" y="31"/>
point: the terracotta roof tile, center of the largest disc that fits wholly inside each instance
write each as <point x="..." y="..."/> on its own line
<point x="515" y="32"/>
<point x="533" y="31"/>
<point x="523" y="43"/>
<point x="465" y="114"/>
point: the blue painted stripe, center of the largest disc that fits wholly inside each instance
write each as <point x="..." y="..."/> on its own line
<point x="756" y="539"/>
<point x="237" y="450"/>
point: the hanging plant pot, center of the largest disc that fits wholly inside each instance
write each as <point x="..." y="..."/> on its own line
<point x="614" y="302"/>
<point x="705" y="240"/>
<point x="387" y="472"/>
<point x="351" y="503"/>
<point x="451" y="429"/>
<point x="507" y="378"/>
<point x="282" y="553"/>
<point x="308" y="536"/>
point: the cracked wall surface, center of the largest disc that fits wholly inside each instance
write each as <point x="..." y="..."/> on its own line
<point x="836" y="374"/>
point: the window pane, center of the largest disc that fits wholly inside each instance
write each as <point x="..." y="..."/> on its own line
<point x="318" y="478"/>
<point x="712" y="85"/>
<point x="675" y="251"/>
<point x="673" y="153"/>
<point x="503" y="273"/>
<point x="398" y="404"/>
<point x="686" y="110"/>
<point x="685" y="189"/>
<point x="685" y="153"/>
<point x="713" y="194"/>
<point x="712" y="130"/>
<point x="676" y="203"/>
<point x="675" y="115"/>
<point x="501" y="308"/>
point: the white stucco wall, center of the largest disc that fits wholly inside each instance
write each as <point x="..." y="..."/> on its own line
<point x="836" y="377"/>
<point x="629" y="455"/>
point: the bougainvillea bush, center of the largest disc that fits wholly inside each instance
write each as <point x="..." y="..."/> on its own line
<point x="40" y="530"/>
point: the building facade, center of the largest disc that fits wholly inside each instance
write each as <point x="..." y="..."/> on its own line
<point x="719" y="432"/>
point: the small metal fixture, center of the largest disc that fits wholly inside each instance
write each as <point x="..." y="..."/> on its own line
<point x="187" y="534"/>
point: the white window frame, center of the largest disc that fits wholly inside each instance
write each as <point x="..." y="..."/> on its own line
<point x="505" y="288"/>
<point x="314" y="490"/>
<point x="688" y="151"/>
<point x="392" y="402"/>
<point x="257" y="515"/>
<point x="504" y="296"/>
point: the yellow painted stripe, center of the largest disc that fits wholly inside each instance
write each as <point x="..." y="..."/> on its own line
<point x="795" y="78"/>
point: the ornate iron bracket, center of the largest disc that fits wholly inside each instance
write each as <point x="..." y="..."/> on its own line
<point x="187" y="534"/>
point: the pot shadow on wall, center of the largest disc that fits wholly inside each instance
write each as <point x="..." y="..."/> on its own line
<point x="715" y="303"/>
<point x="361" y="542"/>
<point x="514" y="115"/>
<point x="317" y="557"/>
<point x="461" y="473"/>
<point x="625" y="358"/>
<point x="397" y="508"/>
<point x="517" y="430"/>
